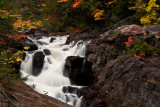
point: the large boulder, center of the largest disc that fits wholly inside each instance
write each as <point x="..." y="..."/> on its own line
<point x="108" y="36"/>
<point x="78" y="70"/>
<point x="130" y="30"/>
<point x="154" y="30"/>
<point x="28" y="42"/>
<point x="37" y="63"/>
<point x="36" y="33"/>
<point x="128" y="81"/>
<point x="21" y="43"/>
<point x="90" y="98"/>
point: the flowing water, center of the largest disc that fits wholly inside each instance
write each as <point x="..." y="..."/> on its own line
<point x="51" y="80"/>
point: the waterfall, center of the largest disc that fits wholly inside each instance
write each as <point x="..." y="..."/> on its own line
<point x="50" y="79"/>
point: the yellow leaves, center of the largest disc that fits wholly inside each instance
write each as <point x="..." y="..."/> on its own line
<point x="139" y="6"/>
<point x="62" y="0"/>
<point x="151" y="5"/>
<point x="145" y="20"/>
<point x="98" y="14"/>
<point x="18" y="59"/>
<point x="27" y="47"/>
<point x="18" y="53"/>
<point x="27" y="23"/>
<point x="150" y="10"/>
<point x="4" y="13"/>
<point x="151" y="17"/>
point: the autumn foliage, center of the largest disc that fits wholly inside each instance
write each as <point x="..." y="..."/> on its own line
<point x="77" y="3"/>
<point x="109" y="3"/>
<point x="2" y="41"/>
<point x="130" y="41"/>
<point x="17" y="36"/>
<point x="140" y="49"/>
<point x="98" y="14"/>
<point x="62" y="0"/>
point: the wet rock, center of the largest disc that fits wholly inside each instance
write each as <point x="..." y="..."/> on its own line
<point x="78" y="70"/>
<point x="23" y="42"/>
<point x="52" y="39"/>
<point x="24" y="56"/>
<point x="69" y="89"/>
<point x="90" y="98"/>
<point x="42" y="43"/>
<point x="29" y="43"/>
<point x="38" y="61"/>
<point x="47" y="52"/>
<point x="66" y="49"/>
<point x="36" y="33"/>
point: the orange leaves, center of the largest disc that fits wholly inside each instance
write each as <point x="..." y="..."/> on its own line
<point x="98" y="14"/>
<point x="130" y="41"/>
<point x="62" y="0"/>
<point x="43" y="4"/>
<point x="77" y="3"/>
<point x="16" y="36"/>
<point x="139" y="56"/>
<point x="109" y="3"/>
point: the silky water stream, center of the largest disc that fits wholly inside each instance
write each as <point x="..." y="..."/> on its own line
<point x="50" y="81"/>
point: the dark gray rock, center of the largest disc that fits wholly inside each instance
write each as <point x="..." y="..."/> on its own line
<point x="37" y="63"/>
<point x="78" y="70"/>
<point x="47" y="52"/>
<point x="52" y="39"/>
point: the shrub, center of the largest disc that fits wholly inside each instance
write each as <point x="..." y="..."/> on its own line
<point x="7" y="59"/>
<point x="139" y="48"/>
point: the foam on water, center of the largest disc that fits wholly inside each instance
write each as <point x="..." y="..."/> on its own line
<point x="51" y="80"/>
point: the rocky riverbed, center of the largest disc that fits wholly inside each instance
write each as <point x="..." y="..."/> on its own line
<point x="112" y="77"/>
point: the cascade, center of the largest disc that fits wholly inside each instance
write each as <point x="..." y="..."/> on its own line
<point x="49" y="79"/>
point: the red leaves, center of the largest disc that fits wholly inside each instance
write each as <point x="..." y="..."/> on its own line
<point x="16" y="36"/>
<point x="2" y="41"/>
<point x="130" y="41"/>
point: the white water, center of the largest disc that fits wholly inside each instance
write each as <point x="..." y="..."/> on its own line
<point x="51" y="80"/>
